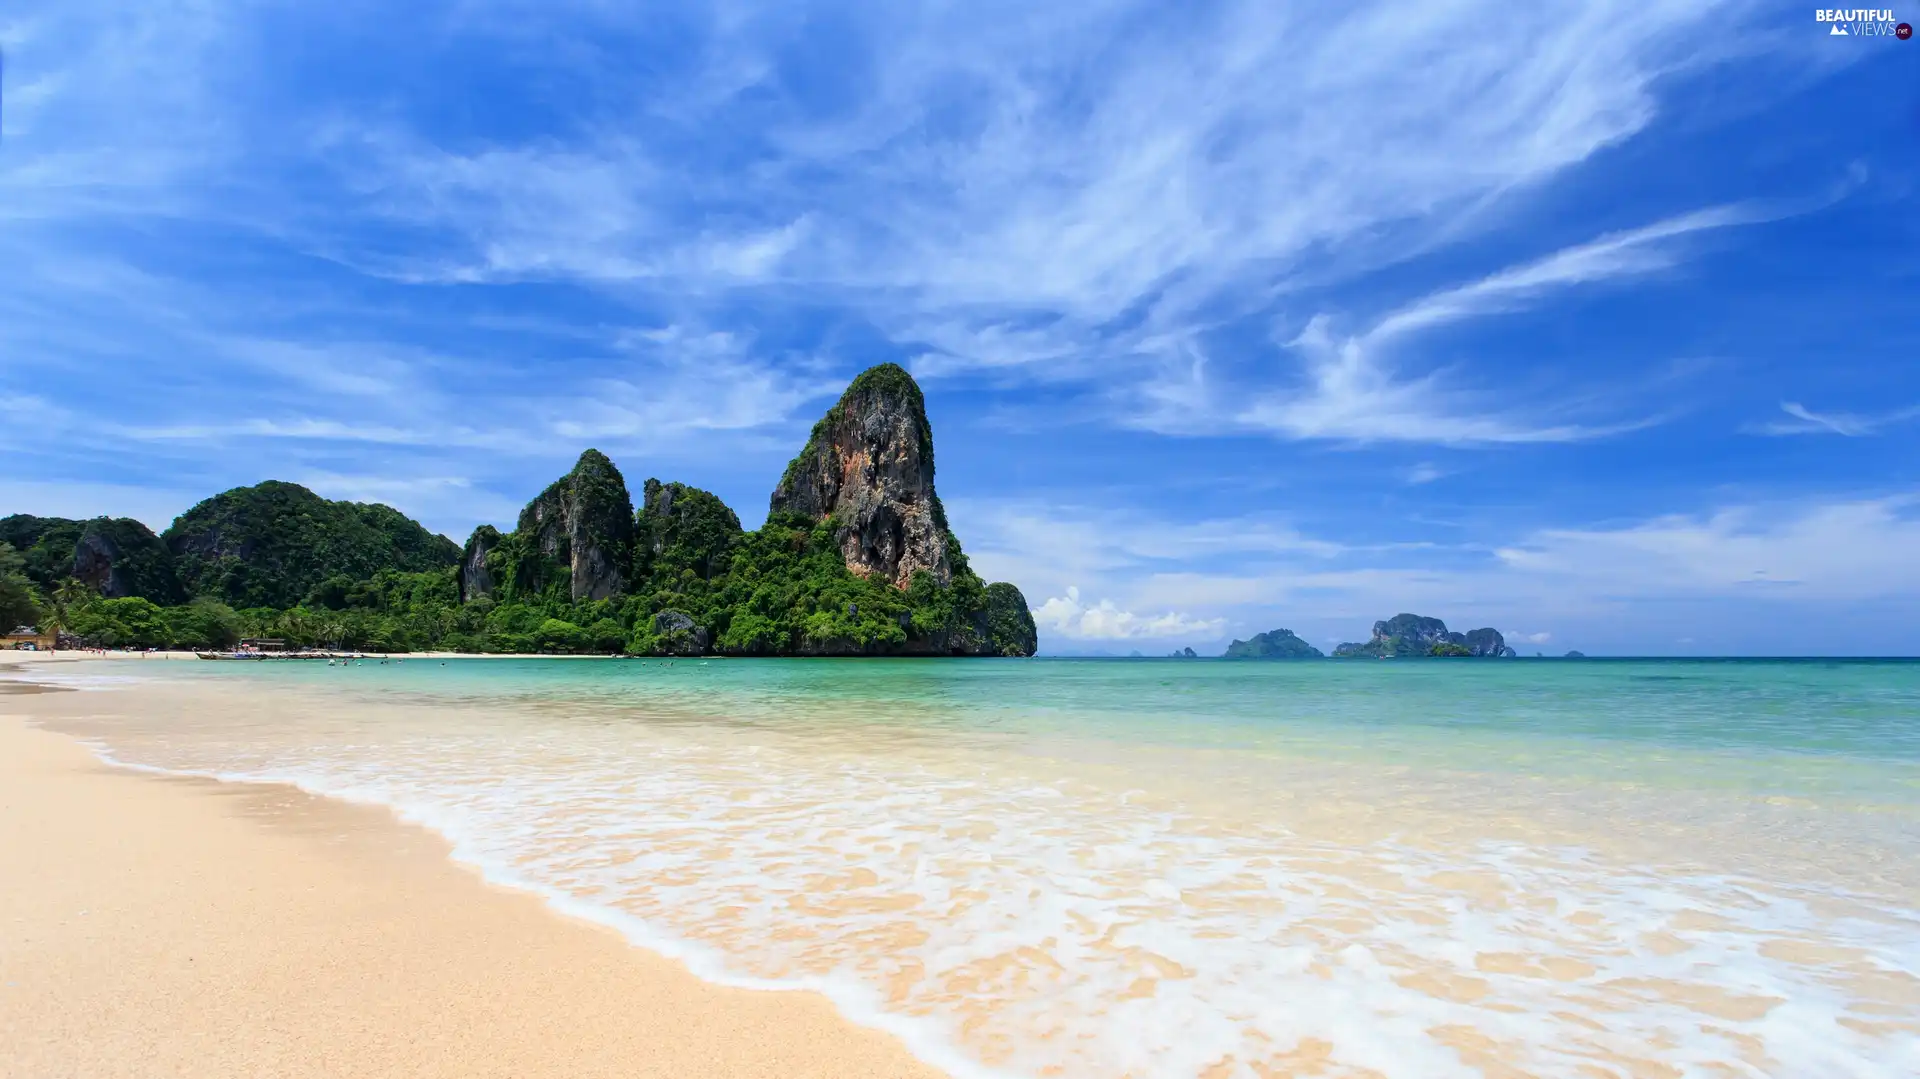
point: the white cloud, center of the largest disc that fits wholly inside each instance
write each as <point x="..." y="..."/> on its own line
<point x="683" y="379"/>
<point x="1045" y="547"/>
<point x="1808" y="422"/>
<point x="1351" y="396"/>
<point x="1517" y="637"/>
<point x="1353" y="393"/>
<point x="1835" y="551"/>
<point x="1617" y="254"/>
<point x="1076" y="194"/>
<point x="1068" y="616"/>
<point x="1063" y="194"/>
<point x="107" y="108"/>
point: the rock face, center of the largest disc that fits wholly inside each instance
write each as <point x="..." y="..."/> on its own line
<point x="121" y="558"/>
<point x="855" y="558"/>
<point x="1406" y="635"/>
<point x="1274" y="644"/>
<point x="117" y="556"/>
<point x="675" y="634"/>
<point x="476" y="579"/>
<point x="580" y="526"/>
<point x="869" y="466"/>
<point x="93" y="563"/>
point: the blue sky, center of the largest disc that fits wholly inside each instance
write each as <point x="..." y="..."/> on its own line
<point x="1596" y="323"/>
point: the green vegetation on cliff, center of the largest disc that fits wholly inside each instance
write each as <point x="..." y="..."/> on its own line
<point x="268" y="545"/>
<point x="18" y="606"/>
<point x="1274" y="644"/>
<point x="859" y="561"/>
<point x="115" y="556"/>
<point x="1411" y="635"/>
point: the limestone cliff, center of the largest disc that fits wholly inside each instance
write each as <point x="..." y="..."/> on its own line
<point x="117" y="557"/>
<point x="476" y="578"/>
<point x="121" y="558"/>
<point x="579" y="529"/>
<point x="1407" y="635"/>
<point x="869" y="466"/>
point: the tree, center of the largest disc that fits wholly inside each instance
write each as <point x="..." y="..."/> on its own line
<point x="205" y="622"/>
<point x="71" y="597"/>
<point x="52" y="621"/>
<point x="73" y="594"/>
<point x="125" y="622"/>
<point x="17" y="605"/>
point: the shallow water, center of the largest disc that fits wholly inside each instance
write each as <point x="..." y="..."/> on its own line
<point x="1179" y="868"/>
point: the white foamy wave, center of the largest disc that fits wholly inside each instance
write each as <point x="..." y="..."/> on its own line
<point x="85" y="677"/>
<point x="1011" y="914"/>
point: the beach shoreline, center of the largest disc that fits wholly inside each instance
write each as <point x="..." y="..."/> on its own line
<point x="167" y="925"/>
<point x="1535" y="861"/>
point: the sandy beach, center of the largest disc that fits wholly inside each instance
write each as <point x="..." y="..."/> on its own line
<point x="1237" y="872"/>
<point x="159" y="926"/>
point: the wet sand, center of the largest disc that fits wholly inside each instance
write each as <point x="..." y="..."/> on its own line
<point x="161" y="926"/>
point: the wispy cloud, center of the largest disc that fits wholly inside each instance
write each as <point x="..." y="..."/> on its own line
<point x="1353" y="391"/>
<point x="684" y="379"/>
<point x="1075" y="198"/>
<point x="1805" y="421"/>
<point x="1618" y="254"/>
<point x="1830" y="551"/>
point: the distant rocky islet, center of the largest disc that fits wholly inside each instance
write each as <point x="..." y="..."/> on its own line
<point x="1404" y="636"/>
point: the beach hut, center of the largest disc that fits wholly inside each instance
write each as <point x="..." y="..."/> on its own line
<point x="262" y="644"/>
<point x="28" y="638"/>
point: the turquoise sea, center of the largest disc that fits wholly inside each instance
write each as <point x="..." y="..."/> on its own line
<point x="1171" y="867"/>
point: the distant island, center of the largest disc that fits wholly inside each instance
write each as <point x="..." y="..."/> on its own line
<point x="855" y="558"/>
<point x="1400" y="637"/>
<point x="1274" y="644"/>
<point x="1412" y="635"/>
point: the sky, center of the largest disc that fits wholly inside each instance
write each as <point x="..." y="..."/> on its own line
<point x="1596" y="323"/>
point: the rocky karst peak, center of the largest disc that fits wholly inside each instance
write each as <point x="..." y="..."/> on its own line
<point x="869" y="466"/>
<point x="582" y="522"/>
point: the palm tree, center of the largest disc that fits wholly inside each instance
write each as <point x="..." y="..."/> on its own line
<point x="74" y="593"/>
<point x="71" y="594"/>
<point x="52" y="621"/>
<point x="294" y="626"/>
